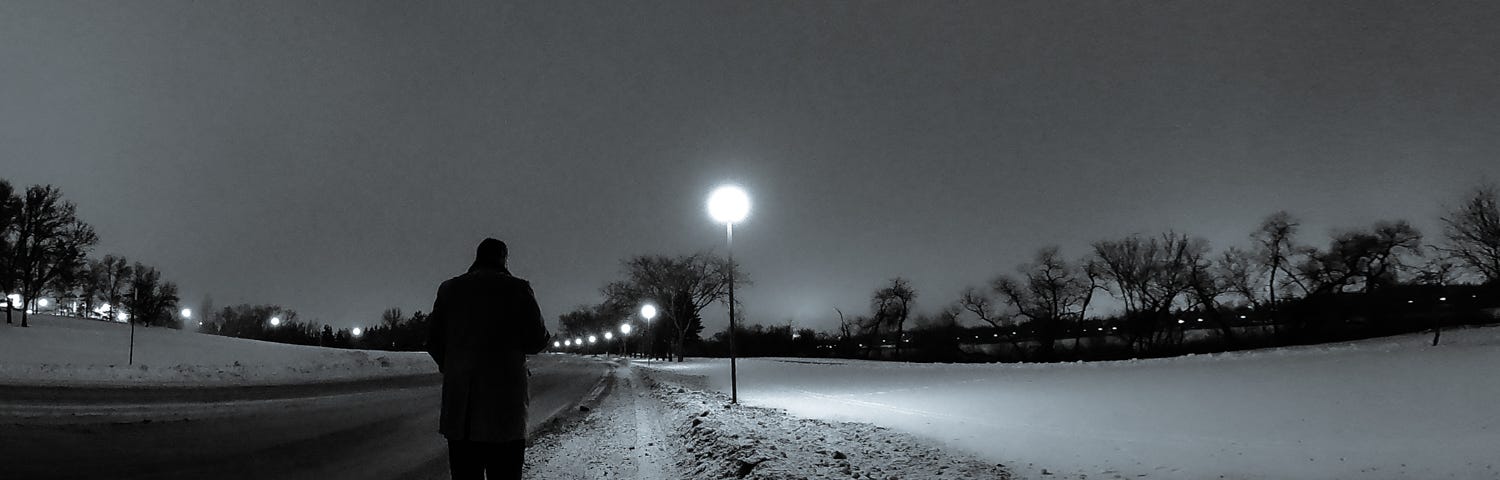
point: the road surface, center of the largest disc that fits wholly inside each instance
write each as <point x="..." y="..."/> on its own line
<point x="380" y="429"/>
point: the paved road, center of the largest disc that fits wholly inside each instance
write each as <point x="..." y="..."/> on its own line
<point x="357" y="430"/>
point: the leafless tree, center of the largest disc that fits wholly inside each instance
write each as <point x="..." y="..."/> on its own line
<point x="1049" y="292"/>
<point x="1275" y="243"/>
<point x="1367" y="259"/>
<point x="681" y="287"/>
<point x="49" y="240"/>
<point x="1149" y="276"/>
<point x="1472" y="234"/>
<point x="891" y="306"/>
<point x="979" y="304"/>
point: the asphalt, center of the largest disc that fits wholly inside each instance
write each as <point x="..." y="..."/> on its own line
<point x="367" y="429"/>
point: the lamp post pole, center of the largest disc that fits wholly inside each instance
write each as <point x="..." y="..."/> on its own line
<point x="734" y="381"/>
<point x="730" y="204"/>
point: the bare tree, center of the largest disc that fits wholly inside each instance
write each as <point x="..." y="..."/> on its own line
<point x="1148" y="275"/>
<point x="891" y="306"/>
<point x="1367" y="259"/>
<point x="112" y="279"/>
<point x="1207" y="285"/>
<point x="1275" y="242"/>
<point x="1472" y="234"/>
<point x="681" y="286"/>
<point x="1049" y="292"/>
<point x="979" y="304"/>
<point x="1241" y="273"/>
<point x="49" y="240"/>
<point x="10" y="213"/>
<point x="150" y="300"/>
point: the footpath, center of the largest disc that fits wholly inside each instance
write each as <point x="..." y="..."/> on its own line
<point x="650" y="425"/>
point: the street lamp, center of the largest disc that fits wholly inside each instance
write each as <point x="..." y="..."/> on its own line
<point x="357" y="331"/>
<point x="275" y="321"/>
<point x="648" y="312"/>
<point x="624" y="344"/>
<point x="187" y="313"/>
<point x="729" y="204"/>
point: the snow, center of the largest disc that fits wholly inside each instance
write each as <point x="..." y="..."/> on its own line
<point x="72" y="351"/>
<point x="1383" y="408"/>
<point x="657" y="426"/>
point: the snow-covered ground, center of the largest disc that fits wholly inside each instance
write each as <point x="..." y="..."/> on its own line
<point x="655" y="425"/>
<point x="1382" y="408"/>
<point x="71" y="351"/>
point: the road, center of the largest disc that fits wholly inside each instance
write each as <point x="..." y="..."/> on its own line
<point x="383" y="429"/>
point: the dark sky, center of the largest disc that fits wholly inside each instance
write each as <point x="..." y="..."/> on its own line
<point x="344" y="157"/>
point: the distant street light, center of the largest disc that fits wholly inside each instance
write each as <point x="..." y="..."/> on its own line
<point x="187" y="313"/>
<point x="357" y="331"/>
<point x="624" y="344"/>
<point x="730" y="204"/>
<point x="593" y="339"/>
<point x="556" y="344"/>
<point x="275" y="321"/>
<point x="609" y="335"/>
<point x="42" y="302"/>
<point x="648" y="312"/>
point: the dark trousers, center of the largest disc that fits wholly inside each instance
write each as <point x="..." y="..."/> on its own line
<point x="470" y="460"/>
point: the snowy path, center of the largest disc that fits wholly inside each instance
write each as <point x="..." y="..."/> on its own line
<point x="623" y="439"/>
<point x="1388" y="408"/>
<point x="379" y="430"/>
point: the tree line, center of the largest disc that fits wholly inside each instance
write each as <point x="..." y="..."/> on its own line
<point x="1178" y="295"/>
<point x="679" y="287"/>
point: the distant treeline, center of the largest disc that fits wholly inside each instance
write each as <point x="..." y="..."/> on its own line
<point x="394" y="331"/>
<point x="1177" y="295"/>
<point x="44" y="266"/>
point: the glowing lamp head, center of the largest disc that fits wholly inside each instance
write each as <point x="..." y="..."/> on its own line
<point x="556" y="344"/>
<point x="275" y="321"/>
<point x="42" y="302"/>
<point x="578" y="341"/>
<point x="187" y="313"/>
<point x="357" y="331"/>
<point x="728" y="204"/>
<point x="593" y="339"/>
<point x="648" y="311"/>
<point x="624" y="329"/>
<point x="609" y="335"/>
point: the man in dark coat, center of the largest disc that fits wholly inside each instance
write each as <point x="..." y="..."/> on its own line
<point x="482" y="326"/>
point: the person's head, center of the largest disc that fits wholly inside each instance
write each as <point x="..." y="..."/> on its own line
<point x="491" y="254"/>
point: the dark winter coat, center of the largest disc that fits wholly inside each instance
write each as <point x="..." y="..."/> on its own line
<point x="483" y="325"/>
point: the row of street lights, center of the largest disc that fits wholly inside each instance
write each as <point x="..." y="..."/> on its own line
<point x="648" y="312"/>
<point x="728" y="204"/>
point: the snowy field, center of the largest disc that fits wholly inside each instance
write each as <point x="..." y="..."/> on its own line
<point x="1384" y="408"/>
<point x="71" y="351"/>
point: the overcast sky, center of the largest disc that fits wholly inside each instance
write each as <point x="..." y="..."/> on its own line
<point x="340" y="158"/>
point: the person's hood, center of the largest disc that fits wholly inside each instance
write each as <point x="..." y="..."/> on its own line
<point x="490" y="256"/>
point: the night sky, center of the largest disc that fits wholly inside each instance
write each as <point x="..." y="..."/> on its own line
<point x="340" y="158"/>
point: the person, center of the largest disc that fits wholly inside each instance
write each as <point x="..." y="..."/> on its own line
<point x="482" y="326"/>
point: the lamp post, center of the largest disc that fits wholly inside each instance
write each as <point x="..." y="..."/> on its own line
<point x="729" y="204"/>
<point x="648" y="312"/>
<point x="624" y="341"/>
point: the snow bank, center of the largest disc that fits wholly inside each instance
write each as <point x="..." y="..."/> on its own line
<point x="1383" y="408"/>
<point x="71" y="351"/>
<point x="660" y="426"/>
<point x="737" y="441"/>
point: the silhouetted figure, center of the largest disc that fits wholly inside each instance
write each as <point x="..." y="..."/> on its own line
<point x="482" y="326"/>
